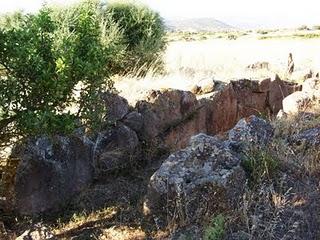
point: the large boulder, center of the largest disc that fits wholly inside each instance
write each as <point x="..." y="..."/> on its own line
<point x="221" y="110"/>
<point x="302" y="100"/>
<point x="296" y="102"/>
<point x="251" y="97"/>
<point x="167" y="110"/>
<point x="277" y="91"/>
<point x="207" y="85"/>
<point x="173" y="116"/>
<point x="117" y="106"/>
<point x="114" y="149"/>
<point x="251" y="130"/>
<point x="308" y="138"/>
<point x="243" y="98"/>
<point x="134" y="121"/>
<point x="193" y="183"/>
<point x="51" y="171"/>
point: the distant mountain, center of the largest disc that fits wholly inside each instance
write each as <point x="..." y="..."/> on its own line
<point x="196" y="24"/>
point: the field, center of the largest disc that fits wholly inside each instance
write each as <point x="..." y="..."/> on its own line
<point x="188" y="60"/>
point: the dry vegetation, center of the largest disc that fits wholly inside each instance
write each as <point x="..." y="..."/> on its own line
<point x="187" y="62"/>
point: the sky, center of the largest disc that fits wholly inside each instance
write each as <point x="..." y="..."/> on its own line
<point x="250" y="13"/>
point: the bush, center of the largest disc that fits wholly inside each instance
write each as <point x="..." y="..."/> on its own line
<point x="144" y="33"/>
<point x="303" y="27"/>
<point x="43" y="61"/>
<point x="259" y="165"/>
<point x="216" y="230"/>
<point x="262" y="32"/>
<point x="316" y="27"/>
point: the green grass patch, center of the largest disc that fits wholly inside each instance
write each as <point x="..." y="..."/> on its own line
<point x="259" y="165"/>
<point x="216" y="230"/>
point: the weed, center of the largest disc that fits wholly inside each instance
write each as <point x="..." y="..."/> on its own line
<point x="259" y="165"/>
<point x="216" y="230"/>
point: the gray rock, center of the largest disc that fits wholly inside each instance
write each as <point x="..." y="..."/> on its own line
<point x="134" y="121"/>
<point x="187" y="233"/>
<point x="114" y="148"/>
<point x="259" y="65"/>
<point x="195" y="182"/>
<point x="239" y="236"/>
<point x="307" y="138"/>
<point x="117" y="107"/>
<point x="252" y="130"/>
<point x="51" y="171"/>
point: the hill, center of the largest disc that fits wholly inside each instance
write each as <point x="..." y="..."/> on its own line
<point x="197" y="24"/>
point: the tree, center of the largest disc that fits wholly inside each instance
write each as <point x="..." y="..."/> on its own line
<point x="53" y="70"/>
<point x="144" y="35"/>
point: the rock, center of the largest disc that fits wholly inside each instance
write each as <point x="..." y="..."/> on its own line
<point x="251" y="97"/>
<point x="281" y="115"/>
<point x="189" y="232"/>
<point x="221" y="110"/>
<point x="277" y="91"/>
<point x="113" y="149"/>
<point x="308" y="75"/>
<point x="308" y="138"/>
<point x="193" y="183"/>
<point x="117" y="107"/>
<point x="258" y="65"/>
<point x="240" y="98"/>
<point x="239" y="236"/>
<point x="195" y="89"/>
<point x="296" y="102"/>
<point x="207" y="85"/>
<point x="134" y="121"/>
<point x="167" y="111"/>
<point x="252" y="130"/>
<point x="173" y="116"/>
<point x="312" y="87"/>
<point x="51" y="172"/>
<point x="3" y="232"/>
<point x="38" y="232"/>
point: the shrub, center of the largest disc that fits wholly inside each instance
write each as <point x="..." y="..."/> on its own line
<point x="259" y="164"/>
<point x="262" y="32"/>
<point x="232" y="37"/>
<point x="144" y="35"/>
<point x="11" y="20"/>
<point x="303" y="27"/>
<point x="316" y="27"/>
<point x="216" y="230"/>
<point x="43" y="60"/>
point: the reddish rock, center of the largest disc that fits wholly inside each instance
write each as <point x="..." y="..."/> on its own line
<point x="173" y="116"/>
<point x="277" y="91"/>
<point x="166" y="110"/>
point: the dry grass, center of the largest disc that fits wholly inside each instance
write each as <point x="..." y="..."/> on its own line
<point x="294" y="124"/>
<point x="78" y="220"/>
<point x="187" y="63"/>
